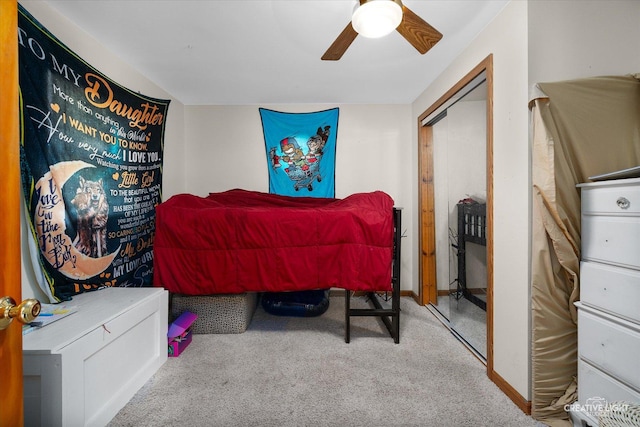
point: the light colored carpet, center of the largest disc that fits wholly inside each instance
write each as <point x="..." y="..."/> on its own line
<point x="292" y="371"/>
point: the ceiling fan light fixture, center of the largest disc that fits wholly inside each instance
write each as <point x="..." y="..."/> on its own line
<point x="377" y="18"/>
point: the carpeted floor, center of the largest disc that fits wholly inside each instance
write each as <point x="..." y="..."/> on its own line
<point x="292" y="371"/>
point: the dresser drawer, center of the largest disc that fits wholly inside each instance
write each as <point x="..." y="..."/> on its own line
<point x="611" y="239"/>
<point x="613" y="289"/>
<point x="610" y="344"/>
<point x="611" y="197"/>
<point x="593" y="384"/>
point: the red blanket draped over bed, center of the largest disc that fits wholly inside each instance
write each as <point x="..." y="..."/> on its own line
<point x="245" y="241"/>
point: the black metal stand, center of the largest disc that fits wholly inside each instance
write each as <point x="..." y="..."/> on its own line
<point x="472" y="228"/>
<point x="389" y="316"/>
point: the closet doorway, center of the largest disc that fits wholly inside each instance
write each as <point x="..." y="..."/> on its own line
<point x="455" y="152"/>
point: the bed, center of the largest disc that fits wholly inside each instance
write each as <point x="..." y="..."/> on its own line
<point x="241" y="241"/>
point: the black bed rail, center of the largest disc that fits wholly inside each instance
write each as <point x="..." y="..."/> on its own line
<point x="389" y="316"/>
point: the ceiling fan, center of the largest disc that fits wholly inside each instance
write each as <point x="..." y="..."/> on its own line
<point x="391" y="13"/>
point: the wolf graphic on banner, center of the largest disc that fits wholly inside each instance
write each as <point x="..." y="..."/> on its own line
<point x="301" y="152"/>
<point x="92" y="207"/>
<point x="91" y="156"/>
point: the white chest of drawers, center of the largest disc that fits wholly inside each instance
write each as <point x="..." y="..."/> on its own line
<point x="609" y="307"/>
<point x="82" y="369"/>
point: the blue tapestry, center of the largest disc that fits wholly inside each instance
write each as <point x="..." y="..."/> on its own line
<point x="301" y="152"/>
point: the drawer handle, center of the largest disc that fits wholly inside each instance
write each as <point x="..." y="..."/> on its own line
<point x="623" y="203"/>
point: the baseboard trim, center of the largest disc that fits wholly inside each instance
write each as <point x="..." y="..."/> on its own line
<point x="507" y="389"/>
<point x="415" y="297"/>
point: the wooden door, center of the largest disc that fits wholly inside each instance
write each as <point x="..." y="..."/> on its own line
<point x="11" y="409"/>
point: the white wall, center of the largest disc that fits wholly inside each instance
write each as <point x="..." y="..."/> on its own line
<point x="104" y="60"/>
<point x="583" y="38"/>
<point x="506" y="39"/>
<point x="225" y="149"/>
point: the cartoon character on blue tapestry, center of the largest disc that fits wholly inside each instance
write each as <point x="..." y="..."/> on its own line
<point x="303" y="169"/>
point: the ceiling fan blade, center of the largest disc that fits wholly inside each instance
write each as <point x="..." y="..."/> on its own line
<point x="340" y="45"/>
<point x="417" y="31"/>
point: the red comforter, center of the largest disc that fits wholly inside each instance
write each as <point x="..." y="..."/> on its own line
<point x="245" y="241"/>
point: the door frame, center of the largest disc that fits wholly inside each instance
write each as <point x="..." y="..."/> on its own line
<point x="428" y="290"/>
<point x="10" y="262"/>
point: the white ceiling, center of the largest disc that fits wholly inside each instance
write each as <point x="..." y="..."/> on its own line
<point x="245" y="52"/>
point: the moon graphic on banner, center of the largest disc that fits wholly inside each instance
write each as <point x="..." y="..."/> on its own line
<point x="55" y="245"/>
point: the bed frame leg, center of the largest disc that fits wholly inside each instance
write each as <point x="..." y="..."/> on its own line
<point x="389" y="316"/>
<point x="347" y="316"/>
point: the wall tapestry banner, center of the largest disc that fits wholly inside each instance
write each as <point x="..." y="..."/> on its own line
<point x="91" y="162"/>
<point x="301" y="152"/>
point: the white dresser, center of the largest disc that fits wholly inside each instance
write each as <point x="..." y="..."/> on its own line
<point x="82" y="369"/>
<point x="609" y="307"/>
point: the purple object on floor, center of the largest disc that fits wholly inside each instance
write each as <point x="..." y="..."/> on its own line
<point x="181" y="324"/>
<point x="179" y="333"/>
